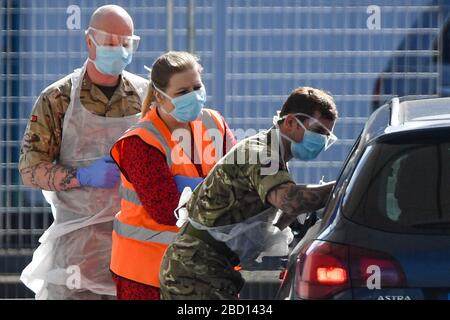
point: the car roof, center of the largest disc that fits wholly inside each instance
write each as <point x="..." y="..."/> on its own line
<point x="421" y="110"/>
<point x="402" y="115"/>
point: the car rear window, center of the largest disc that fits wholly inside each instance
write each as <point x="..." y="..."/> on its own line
<point x="402" y="188"/>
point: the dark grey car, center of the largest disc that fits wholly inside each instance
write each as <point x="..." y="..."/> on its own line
<point x="385" y="231"/>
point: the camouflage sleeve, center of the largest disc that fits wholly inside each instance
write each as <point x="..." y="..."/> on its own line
<point x="42" y="138"/>
<point x="264" y="183"/>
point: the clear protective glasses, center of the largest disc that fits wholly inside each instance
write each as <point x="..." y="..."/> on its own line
<point x="315" y="126"/>
<point x="102" y="38"/>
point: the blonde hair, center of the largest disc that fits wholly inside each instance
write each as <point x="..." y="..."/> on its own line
<point x="164" y="68"/>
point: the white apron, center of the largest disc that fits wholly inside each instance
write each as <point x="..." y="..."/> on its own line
<point x="73" y="259"/>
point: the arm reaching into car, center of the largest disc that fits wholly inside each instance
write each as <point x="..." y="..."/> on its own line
<point x="295" y="199"/>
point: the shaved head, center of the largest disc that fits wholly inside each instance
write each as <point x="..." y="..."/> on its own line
<point x="112" y="19"/>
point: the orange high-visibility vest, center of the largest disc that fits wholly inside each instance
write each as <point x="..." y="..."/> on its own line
<point x="138" y="241"/>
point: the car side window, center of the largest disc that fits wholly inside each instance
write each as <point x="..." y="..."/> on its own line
<point x="399" y="187"/>
<point x="347" y="169"/>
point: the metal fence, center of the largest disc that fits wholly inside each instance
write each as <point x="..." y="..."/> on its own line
<point x="254" y="52"/>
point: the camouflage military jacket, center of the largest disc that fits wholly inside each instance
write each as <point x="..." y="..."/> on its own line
<point x="237" y="187"/>
<point x="42" y="138"/>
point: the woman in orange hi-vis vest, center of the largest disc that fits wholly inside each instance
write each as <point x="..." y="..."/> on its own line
<point x="174" y="145"/>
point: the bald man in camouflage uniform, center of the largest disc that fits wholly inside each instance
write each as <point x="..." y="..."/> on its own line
<point x="42" y="139"/>
<point x="81" y="233"/>
<point x="239" y="187"/>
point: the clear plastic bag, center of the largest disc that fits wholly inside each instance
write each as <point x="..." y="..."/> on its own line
<point x="253" y="238"/>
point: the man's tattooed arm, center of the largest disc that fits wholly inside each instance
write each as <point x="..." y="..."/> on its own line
<point x="297" y="199"/>
<point x="49" y="176"/>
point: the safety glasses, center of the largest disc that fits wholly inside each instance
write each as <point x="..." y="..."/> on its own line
<point x="315" y="126"/>
<point x="102" y="38"/>
<point x="318" y="127"/>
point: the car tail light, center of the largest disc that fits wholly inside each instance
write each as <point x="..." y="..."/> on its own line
<point x="331" y="275"/>
<point x="322" y="270"/>
<point x="325" y="269"/>
<point x="366" y="263"/>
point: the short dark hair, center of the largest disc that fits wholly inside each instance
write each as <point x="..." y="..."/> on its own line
<point x="308" y="100"/>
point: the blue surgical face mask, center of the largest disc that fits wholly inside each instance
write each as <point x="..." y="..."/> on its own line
<point x="310" y="147"/>
<point x="111" y="60"/>
<point x="312" y="144"/>
<point x="188" y="106"/>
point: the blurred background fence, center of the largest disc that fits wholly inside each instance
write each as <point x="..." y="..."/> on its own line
<point x="254" y="53"/>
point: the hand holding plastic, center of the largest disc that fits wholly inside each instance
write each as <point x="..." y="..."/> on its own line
<point x="185" y="181"/>
<point x="103" y="173"/>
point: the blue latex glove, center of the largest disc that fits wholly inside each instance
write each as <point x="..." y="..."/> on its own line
<point x="185" y="181"/>
<point x="103" y="173"/>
